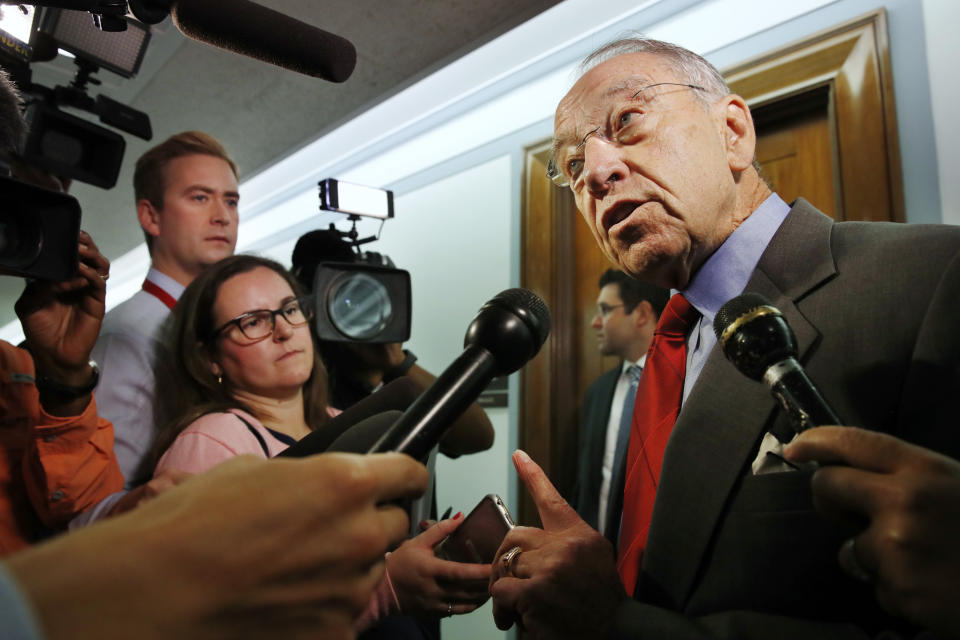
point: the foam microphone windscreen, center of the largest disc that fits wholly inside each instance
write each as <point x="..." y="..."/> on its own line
<point x="394" y="396"/>
<point x="252" y="30"/>
<point x="361" y="436"/>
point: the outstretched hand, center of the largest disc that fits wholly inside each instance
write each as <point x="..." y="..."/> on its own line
<point x="563" y="583"/>
<point x="428" y="586"/>
<point x="288" y="548"/>
<point x="910" y="497"/>
<point x="61" y="320"/>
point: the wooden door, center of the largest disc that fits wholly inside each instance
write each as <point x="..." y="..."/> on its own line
<point x="794" y="148"/>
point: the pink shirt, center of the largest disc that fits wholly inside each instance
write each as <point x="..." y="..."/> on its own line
<point x="215" y="438"/>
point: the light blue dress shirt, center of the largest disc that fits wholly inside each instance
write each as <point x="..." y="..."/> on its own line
<point x="725" y="275"/>
<point x="126" y="351"/>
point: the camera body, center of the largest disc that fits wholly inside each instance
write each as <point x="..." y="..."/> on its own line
<point x="360" y="297"/>
<point x="38" y="231"/>
<point x="357" y="302"/>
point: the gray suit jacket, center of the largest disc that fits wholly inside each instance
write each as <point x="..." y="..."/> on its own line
<point x="875" y="310"/>
<point x="591" y="441"/>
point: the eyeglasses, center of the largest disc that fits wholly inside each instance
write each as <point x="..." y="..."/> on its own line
<point x="604" y="310"/>
<point x="626" y="128"/>
<point x="257" y="325"/>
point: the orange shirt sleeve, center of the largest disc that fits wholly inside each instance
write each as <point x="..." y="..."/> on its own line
<point x="69" y="465"/>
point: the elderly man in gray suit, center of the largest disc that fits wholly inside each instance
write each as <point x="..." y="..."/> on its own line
<point x="660" y="158"/>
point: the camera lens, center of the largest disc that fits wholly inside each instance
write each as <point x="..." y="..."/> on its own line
<point x="21" y="238"/>
<point x="359" y="306"/>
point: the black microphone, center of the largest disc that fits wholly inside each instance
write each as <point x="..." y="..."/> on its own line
<point x="366" y="433"/>
<point x="252" y="30"/>
<point x="393" y="396"/>
<point x="242" y="27"/>
<point x="508" y="331"/>
<point x="756" y="338"/>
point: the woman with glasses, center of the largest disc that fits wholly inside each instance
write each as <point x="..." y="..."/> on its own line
<point x="250" y="381"/>
<point x="254" y="380"/>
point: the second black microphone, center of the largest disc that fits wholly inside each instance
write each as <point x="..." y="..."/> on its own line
<point x="508" y="331"/>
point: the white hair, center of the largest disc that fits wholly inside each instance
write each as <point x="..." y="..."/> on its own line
<point x="686" y="64"/>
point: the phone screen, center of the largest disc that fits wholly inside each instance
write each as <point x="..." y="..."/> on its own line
<point x="480" y="535"/>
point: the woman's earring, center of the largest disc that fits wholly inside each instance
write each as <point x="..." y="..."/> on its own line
<point x="220" y="379"/>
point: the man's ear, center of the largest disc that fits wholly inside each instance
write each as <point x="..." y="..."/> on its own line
<point x="739" y="135"/>
<point x="642" y="313"/>
<point x="149" y="217"/>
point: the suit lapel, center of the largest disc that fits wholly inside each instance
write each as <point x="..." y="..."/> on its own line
<point x="591" y="462"/>
<point x="725" y="416"/>
<point x="600" y="418"/>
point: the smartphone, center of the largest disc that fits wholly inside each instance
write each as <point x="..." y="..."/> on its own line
<point x="479" y="536"/>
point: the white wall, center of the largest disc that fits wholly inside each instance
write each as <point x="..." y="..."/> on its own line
<point x="941" y="19"/>
<point x="454" y="237"/>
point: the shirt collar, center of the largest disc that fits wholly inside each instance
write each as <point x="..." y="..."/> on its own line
<point x="626" y="364"/>
<point x="165" y="282"/>
<point x="726" y="273"/>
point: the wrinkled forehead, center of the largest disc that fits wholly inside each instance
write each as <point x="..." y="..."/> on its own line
<point x="584" y="107"/>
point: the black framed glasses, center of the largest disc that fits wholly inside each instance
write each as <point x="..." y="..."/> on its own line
<point x="603" y="310"/>
<point x="260" y="323"/>
<point x="625" y="129"/>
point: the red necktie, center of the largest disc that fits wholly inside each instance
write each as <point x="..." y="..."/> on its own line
<point x="654" y="414"/>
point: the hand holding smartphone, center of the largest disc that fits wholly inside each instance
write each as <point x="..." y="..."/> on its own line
<point x="477" y="539"/>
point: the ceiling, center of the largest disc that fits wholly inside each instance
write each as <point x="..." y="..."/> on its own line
<point x="260" y="112"/>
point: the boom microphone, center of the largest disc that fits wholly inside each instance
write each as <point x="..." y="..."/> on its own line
<point x="393" y="396"/>
<point x="239" y="26"/>
<point x="756" y="338"/>
<point x="508" y="331"/>
<point x="252" y="30"/>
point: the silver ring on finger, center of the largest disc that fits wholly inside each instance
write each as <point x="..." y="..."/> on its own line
<point x="850" y="562"/>
<point x="508" y="559"/>
<point x="449" y="609"/>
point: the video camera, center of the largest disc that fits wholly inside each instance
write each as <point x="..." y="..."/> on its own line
<point x="59" y="142"/>
<point x="359" y="295"/>
<point x="38" y="227"/>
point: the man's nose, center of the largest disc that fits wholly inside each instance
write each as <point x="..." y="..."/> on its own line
<point x="222" y="214"/>
<point x="602" y="165"/>
<point x="597" y="321"/>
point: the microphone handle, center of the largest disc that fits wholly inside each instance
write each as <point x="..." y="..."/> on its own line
<point x="422" y="425"/>
<point x="798" y="396"/>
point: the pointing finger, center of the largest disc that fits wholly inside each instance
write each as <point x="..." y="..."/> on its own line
<point x="555" y="512"/>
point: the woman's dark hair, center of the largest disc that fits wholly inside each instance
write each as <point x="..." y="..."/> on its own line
<point x="187" y="388"/>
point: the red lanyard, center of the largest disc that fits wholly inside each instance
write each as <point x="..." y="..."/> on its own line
<point x="161" y="295"/>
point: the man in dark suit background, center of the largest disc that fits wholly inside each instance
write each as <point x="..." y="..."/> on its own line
<point x="660" y="158"/>
<point x="627" y="313"/>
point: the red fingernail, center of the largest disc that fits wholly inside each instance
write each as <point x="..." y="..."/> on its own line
<point x="458" y="516"/>
<point x="424" y="524"/>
